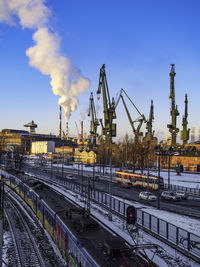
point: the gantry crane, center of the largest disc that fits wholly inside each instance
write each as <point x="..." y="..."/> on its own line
<point x="174" y="110"/>
<point x="140" y="119"/>
<point x="150" y="133"/>
<point x="185" y="133"/>
<point x="109" y="128"/>
<point x="94" y="121"/>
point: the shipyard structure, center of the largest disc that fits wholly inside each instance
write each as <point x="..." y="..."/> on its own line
<point x="97" y="145"/>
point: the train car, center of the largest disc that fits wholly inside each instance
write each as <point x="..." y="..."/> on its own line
<point x="139" y="180"/>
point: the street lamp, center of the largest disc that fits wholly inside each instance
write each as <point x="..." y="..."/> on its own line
<point x="158" y="150"/>
<point x="170" y="153"/>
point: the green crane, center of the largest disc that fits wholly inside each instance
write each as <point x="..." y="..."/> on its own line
<point x="174" y="110"/>
<point x="109" y="128"/>
<point x="94" y="121"/>
<point x="150" y="133"/>
<point x="140" y="119"/>
<point x="185" y="133"/>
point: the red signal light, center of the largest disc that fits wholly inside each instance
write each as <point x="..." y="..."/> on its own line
<point x="131" y="215"/>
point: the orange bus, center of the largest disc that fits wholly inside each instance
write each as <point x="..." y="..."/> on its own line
<point x="139" y="180"/>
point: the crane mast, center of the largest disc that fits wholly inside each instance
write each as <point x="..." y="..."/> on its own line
<point x="185" y="133"/>
<point x="150" y="133"/>
<point x="174" y="110"/>
<point x="94" y="121"/>
<point x="109" y="128"/>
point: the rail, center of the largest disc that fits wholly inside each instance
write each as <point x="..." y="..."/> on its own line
<point x="27" y="252"/>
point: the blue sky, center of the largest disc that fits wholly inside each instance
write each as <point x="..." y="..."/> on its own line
<point x="137" y="40"/>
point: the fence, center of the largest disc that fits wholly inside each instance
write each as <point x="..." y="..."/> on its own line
<point x="189" y="190"/>
<point x="186" y="241"/>
<point x="183" y="239"/>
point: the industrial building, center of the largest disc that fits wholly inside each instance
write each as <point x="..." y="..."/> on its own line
<point x="19" y="140"/>
<point x="42" y="147"/>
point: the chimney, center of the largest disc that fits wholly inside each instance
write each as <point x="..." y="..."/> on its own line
<point x="60" y="122"/>
<point x="82" y="130"/>
<point x="66" y="131"/>
<point x="192" y="134"/>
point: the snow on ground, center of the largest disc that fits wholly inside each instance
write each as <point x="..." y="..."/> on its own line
<point x="165" y="255"/>
<point x="184" y="179"/>
<point x="184" y="222"/>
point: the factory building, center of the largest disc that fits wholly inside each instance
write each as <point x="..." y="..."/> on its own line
<point x="42" y="147"/>
<point x="19" y="140"/>
<point x="85" y="156"/>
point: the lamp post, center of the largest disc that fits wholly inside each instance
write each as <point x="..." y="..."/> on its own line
<point x="158" y="150"/>
<point x="170" y="153"/>
<point x="110" y="192"/>
<point x="159" y="179"/>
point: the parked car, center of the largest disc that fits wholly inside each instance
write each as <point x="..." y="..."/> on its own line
<point x="182" y="194"/>
<point x="126" y="184"/>
<point x="169" y="195"/>
<point x="96" y="178"/>
<point x="70" y="177"/>
<point x="147" y="196"/>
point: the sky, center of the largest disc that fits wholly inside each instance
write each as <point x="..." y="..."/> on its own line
<point x="136" y="40"/>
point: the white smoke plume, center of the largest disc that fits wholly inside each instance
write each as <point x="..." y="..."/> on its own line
<point x="66" y="80"/>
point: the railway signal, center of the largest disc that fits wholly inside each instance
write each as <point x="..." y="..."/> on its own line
<point x="131" y="215"/>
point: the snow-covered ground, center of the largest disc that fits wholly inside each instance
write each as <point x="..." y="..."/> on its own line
<point x="166" y="255"/>
<point x="184" y="179"/>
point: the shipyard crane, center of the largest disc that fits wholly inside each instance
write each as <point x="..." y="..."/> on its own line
<point x="174" y="109"/>
<point x="140" y="119"/>
<point x="94" y="121"/>
<point x="150" y="133"/>
<point x="185" y="133"/>
<point x="109" y="128"/>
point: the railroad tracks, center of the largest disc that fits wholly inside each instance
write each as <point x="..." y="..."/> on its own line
<point x="26" y="249"/>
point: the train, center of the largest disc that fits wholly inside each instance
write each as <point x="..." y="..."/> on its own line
<point x="81" y="240"/>
<point x="138" y="180"/>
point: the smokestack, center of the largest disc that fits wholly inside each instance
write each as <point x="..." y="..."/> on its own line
<point x="82" y="130"/>
<point x="192" y="134"/>
<point x="66" y="131"/>
<point x="199" y="134"/>
<point x="60" y="122"/>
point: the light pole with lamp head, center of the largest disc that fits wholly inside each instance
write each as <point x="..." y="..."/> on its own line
<point x="170" y="153"/>
<point x="158" y="150"/>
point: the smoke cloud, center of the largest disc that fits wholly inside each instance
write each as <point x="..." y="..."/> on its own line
<point x="66" y="80"/>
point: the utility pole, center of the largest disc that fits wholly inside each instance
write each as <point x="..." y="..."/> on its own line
<point x="174" y="109"/>
<point x="185" y="133"/>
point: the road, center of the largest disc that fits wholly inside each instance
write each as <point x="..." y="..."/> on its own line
<point x="190" y="207"/>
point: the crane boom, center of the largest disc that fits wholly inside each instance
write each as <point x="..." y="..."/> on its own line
<point x="94" y="120"/>
<point x="142" y="118"/>
<point x="109" y="128"/>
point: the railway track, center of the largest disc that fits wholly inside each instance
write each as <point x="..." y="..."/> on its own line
<point x="26" y="249"/>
